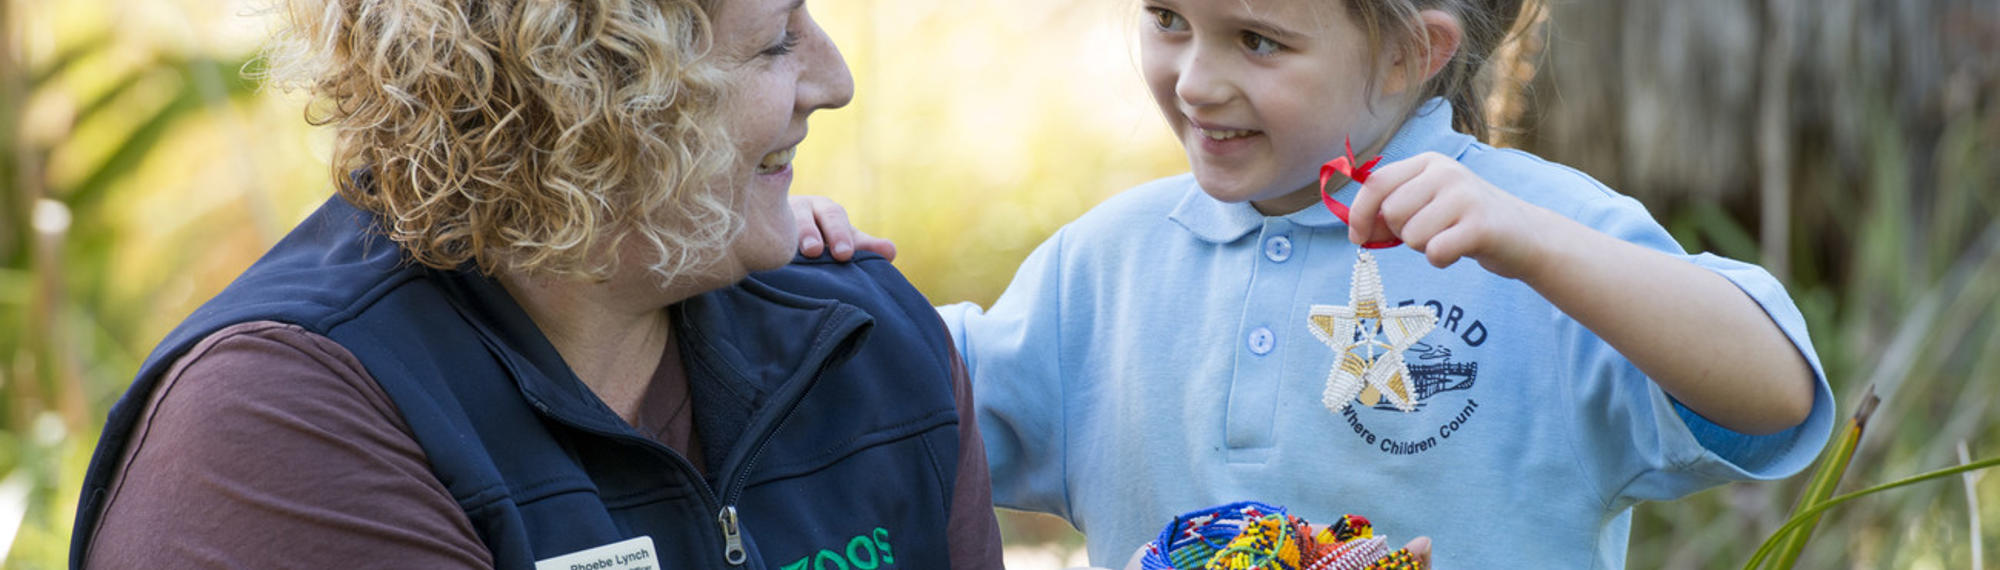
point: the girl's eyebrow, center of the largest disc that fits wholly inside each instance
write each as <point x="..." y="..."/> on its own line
<point x="1265" y="28"/>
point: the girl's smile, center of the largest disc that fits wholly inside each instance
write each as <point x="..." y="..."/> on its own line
<point x="1222" y="142"/>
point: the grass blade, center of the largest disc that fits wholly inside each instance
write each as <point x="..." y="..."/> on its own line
<point x="1972" y="508"/>
<point x="1824" y="480"/>
<point x="1811" y="514"/>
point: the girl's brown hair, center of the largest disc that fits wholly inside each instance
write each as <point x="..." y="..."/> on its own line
<point x="1486" y="25"/>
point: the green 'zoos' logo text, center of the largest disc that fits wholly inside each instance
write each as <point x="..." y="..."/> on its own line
<point x="865" y="552"/>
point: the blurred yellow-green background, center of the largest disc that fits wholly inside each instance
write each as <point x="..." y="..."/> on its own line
<point x="1853" y="146"/>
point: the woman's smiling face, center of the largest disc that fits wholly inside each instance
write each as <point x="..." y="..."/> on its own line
<point x="781" y="67"/>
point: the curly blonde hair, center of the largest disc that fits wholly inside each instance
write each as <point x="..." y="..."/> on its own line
<point x="523" y="135"/>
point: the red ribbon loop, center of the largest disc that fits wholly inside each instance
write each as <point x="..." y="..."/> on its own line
<point x="1345" y="166"/>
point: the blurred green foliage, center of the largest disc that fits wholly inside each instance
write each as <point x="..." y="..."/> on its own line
<point x="139" y="173"/>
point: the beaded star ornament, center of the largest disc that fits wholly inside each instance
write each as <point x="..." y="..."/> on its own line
<point x="1368" y="336"/>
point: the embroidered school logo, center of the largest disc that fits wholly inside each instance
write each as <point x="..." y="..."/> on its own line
<point x="1438" y="374"/>
<point x="1374" y="377"/>
<point x="1445" y="406"/>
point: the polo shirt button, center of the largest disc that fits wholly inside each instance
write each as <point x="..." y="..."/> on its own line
<point x="1278" y="249"/>
<point x="1262" y="341"/>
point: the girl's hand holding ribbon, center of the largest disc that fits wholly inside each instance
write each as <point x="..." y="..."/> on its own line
<point x="1441" y="208"/>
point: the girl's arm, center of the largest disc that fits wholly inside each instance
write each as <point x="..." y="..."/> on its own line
<point x="1692" y="331"/>
<point x="1697" y="335"/>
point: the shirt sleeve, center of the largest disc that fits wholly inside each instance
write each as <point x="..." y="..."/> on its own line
<point x="1650" y="447"/>
<point x="1012" y="353"/>
<point x="270" y="447"/>
<point x="974" y="533"/>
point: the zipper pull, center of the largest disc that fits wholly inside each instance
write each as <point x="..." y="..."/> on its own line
<point x="732" y="536"/>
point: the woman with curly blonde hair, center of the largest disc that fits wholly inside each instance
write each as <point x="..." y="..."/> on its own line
<point x="547" y="321"/>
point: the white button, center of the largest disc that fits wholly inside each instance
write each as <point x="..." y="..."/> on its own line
<point x="1261" y="341"/>
<point x="1278" y="249"/>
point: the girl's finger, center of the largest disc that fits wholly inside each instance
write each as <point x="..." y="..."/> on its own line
<point x="1365" y="221"/>
<point x="881" y="246"/>
<point x="1414" y="196"/>
<point x="1396" y="173"/>
<point x="1419" y="224"/>
<point x="811" y="244"/>
<point x="1420" y="549"/>
<point x="833" y="224"/>
<point x="1364" y="216"/>
<point x="1449" y="246"/>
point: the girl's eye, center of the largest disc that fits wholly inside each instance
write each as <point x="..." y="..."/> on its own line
<point x="1168" y="20"/>
<point x="1259" y="44"/>
<point x="785" y="45"/>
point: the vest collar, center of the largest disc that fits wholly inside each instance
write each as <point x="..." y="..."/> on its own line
<point x="751" y="353"/>
<point x="1218" y="222"/>
<point x="744" y="346"/>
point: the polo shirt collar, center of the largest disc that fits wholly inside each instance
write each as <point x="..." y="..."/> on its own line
<point x="1215" y="221"/>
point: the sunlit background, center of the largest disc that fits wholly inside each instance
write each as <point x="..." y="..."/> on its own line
<point x="1852" y="146"/>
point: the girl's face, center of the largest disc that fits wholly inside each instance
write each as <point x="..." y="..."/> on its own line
<point x="782" y="67"/>
<point x="1261" y="92"/>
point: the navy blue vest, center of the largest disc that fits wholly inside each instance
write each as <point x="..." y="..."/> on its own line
<point x="822" y="396"/>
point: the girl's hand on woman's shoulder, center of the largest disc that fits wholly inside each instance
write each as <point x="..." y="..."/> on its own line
<point x="1441" y="208"/>
<point x="823" y="226"/>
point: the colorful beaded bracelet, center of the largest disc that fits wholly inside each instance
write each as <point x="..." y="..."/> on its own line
<point x="1254" y="536"/>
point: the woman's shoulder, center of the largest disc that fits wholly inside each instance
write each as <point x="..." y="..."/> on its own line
<point x="259" y="389"/>
<point x="280" y="430"/>
<point x="270" y="362"/>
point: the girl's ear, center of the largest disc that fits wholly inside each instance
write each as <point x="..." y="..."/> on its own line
<point x="1442" y="34"/>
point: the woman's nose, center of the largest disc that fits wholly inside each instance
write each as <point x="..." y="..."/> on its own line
<point x="826" y="83"/>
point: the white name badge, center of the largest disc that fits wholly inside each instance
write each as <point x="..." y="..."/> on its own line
<point x="634" y="554"/>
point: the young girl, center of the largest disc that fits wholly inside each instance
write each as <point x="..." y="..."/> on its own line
<point x="1164" y="352"/>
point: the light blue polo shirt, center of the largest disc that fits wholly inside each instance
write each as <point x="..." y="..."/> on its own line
<point x="1153" y="357"/>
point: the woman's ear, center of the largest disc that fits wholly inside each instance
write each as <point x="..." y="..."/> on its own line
<point x="1442" y="34"/>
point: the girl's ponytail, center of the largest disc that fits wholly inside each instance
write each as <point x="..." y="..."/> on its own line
<point x="1486" y="25"/>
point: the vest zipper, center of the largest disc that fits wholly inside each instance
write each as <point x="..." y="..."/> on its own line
<point x="732" y="536"/>
<point x="731" y="531"/>
<point x="732" y="547"/>
<point x="735" y="489"/>
<point x="726" y="518"/>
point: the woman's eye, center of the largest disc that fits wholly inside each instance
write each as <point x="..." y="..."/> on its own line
<point x="785" y="45"/>
<point x="1167" y="19"/>
<point x="1260" y="45"/>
